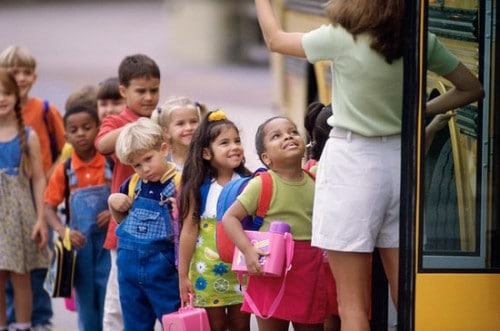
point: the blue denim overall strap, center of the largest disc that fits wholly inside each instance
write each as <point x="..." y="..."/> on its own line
<point x="148" y="221"/>
<point x="87" y="203"/>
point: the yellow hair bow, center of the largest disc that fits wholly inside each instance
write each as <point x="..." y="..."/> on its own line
<point x="217" y="115"/>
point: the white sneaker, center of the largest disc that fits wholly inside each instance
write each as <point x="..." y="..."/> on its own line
<point x="44" y="327"/>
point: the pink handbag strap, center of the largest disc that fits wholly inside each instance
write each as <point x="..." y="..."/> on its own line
<point x="289" y="256"/>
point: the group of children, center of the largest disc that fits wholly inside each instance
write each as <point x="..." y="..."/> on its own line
<point x="131" y="176"/>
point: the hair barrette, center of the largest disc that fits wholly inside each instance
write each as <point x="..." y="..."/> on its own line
<point x="217" y="115"/>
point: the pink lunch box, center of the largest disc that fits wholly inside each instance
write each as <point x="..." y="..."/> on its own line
<point x="186" y="318"/>
<point x="277" y="243"/>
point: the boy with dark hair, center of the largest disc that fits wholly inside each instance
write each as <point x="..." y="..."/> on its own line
<point x="83" y="181"/>
<point x="139" y="78"/>
<point x="45" y="119"/>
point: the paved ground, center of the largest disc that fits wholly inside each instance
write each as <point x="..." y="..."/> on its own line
<point x="82" y="43"/>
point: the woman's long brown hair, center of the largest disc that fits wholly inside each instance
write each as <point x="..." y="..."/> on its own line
<point x="9" y="84"/>
<point x="382" y="19"/>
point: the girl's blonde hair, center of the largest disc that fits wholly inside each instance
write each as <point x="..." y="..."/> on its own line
<point x="161" y="115"/>
<point x="9" y="84"/>
<point x="17" y="56"/>
<point x="138" y="138"/>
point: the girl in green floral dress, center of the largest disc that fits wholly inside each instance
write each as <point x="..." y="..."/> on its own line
<point x="214" y="158"/>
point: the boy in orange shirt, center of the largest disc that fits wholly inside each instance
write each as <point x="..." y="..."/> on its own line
<point x="139" y="78"/>
<point x="48" y="124"/>
<point x="83" y="181"/>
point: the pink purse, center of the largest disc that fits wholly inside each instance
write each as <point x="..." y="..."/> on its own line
<point x="187" y="318"/>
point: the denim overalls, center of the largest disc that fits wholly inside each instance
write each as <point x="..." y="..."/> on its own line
<point x="93" y="261"/>
<point x="147" y="276"/>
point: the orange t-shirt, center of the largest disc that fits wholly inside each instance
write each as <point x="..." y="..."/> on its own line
<point x="88" y="174"/>
<point x="33" y="116"/>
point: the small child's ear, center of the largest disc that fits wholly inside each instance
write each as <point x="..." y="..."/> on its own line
<point x="164" y="147"/>
<point x="123" y="90"/>
<point x="206" y="154"/>
<point x="265" y="158"/>
<point x="166" y="135"/>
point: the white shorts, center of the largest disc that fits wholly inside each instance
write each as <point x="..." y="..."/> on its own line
<point x="356" y="201"/>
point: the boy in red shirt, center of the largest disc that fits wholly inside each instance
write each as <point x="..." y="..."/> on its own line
<point x="139" y="78"/>
<point x="83" y="181"/>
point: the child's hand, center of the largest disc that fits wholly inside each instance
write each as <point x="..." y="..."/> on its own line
<point x="120" y="202"/>
<point x="40" y="234"/>
<point x="185" y="288"/>
<point x="252" y="259"/>
<point x="103" y="219"/>
<point x="77" y="238"/>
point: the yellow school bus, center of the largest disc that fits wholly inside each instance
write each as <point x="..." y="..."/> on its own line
<point x="450" y="189"/>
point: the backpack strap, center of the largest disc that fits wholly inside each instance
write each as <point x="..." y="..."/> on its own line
<point x="108" y="169"/>
<point x="311" y="174"/>
<point x="134" y="186"/>
<point x="309" y="164"/>
<point x="204" y="188"/>
<point x="54" y="149"/>
<point x="67" y="174"/>
<point x="265" y="196"/>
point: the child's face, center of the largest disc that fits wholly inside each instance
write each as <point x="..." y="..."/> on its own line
<point x="106" y="107"/>
<point x="81" y="130"/>
<point x="183" y="122"/>
<point x="25" y="78"/>
<point x="142" y="95"/>
<point x="226" y="151"/>
<point x="7" y="101"/>
<point x="282" y="141"/>
<point x="151" y="165"/>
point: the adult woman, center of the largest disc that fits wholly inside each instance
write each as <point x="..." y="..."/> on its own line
<point x="357" y="188"/>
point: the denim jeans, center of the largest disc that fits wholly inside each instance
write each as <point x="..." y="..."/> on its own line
<point x="149" y="283"/>
<point x="93" y="261"/>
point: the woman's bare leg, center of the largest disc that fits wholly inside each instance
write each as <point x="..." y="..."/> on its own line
<point x="352" y="276"/>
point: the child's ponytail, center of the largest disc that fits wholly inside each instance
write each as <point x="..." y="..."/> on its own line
<point x="25" y="164"/>
<point x="318" y="130"/>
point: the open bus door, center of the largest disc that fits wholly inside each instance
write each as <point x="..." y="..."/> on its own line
<point x="450" y="224"/>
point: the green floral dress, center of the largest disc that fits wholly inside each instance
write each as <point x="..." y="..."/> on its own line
<point x="214" y="283"/>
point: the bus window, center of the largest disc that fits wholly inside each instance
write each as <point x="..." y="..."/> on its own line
<point x="456" y="226"/>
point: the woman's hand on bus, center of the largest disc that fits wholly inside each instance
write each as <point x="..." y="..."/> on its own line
<point x="439" y="122"/>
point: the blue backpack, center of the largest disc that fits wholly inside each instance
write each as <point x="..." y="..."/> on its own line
<point x="225" y="247"/>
